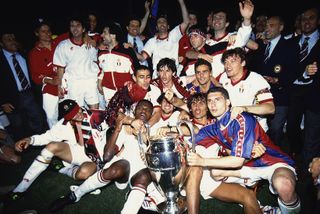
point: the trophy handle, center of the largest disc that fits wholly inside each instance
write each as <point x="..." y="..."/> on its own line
<point x="141" y="143"/>
<point x="190" y="126"/>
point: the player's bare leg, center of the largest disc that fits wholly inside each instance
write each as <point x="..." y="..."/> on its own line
<point x="239" y="195"/>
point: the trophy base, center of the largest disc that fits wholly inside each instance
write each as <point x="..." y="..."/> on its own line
<point x="176" y="205"/>
<point x="171" y="208"/>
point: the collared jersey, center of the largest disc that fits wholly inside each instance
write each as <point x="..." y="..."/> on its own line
<point x="172" y="120"/>
<point x="79" y="61"/>
<point x="251" y="89"/>
<point x="41" y="65"/>
<point x="216" y="47"/>
<point x="239" y="135"/>
<point x="158" y="48"/>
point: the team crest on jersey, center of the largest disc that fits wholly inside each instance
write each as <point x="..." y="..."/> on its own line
<point x="118" y="62"/>
<point x="241" y="89"/>
<point x="277" y="69"/>
<point x="71" y="48"/>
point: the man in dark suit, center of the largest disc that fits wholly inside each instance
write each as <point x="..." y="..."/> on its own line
<point x="276" y="60"/>
<point x="16" y="96"/>
<point x="135" y="28"/>
<point x="305" y="96"/>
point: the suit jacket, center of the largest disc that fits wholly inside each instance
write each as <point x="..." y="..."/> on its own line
<point x="313" y="92"/>
<point x="281" y="64"/>
<point x="9" y="92"/>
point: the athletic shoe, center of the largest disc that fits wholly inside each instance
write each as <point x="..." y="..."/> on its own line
<point x="12" y="197"/>
<point x="148" y="204"/>
<point x="270" y="210"/>
<point x="15" y="196"/>
<point x="60" y="203"/>
<point x="94" y="192"/>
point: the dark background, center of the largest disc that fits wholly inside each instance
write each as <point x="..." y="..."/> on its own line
<point x="23" y="15"/>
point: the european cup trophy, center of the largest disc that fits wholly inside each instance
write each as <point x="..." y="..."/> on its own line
<point x="165" y="157"/>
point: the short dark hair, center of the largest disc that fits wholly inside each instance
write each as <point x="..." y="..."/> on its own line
<point x="162" y="15"/>
<point x="221" y="9"/>
<point x="39" y="23"/>
<point x="170" y="63"/>
<point x="144" y="101"/>
<point x="7" y="30"/>
<point x="133" y="17"/>
<point x="78" y="17"/>
<point x="234" y="52"/>
<point x="197" y="28"/>
<point x="139" y="68"/>
<point x="222" y="90"/>
<point x="202" y="62"/>
<point x="115" y="28"/>
<point x="193" y="12"/>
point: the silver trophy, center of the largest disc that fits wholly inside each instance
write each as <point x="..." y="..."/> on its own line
<point x="164" y="156"/>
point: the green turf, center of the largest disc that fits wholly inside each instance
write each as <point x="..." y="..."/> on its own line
<point x="50" y="185"/>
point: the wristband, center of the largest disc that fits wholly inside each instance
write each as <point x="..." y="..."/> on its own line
<point x="31" y="140"/>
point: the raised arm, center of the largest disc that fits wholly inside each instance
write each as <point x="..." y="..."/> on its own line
<point x="144" y="20"/>
<point x="175" y="101"/>
<point x="185" y="14"/>
<point x="110" y="148"/>
<point x="246" y="10"/>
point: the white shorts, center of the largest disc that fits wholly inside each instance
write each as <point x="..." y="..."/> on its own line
<point x="108" y="94"/>
<point x="136" y="164"/>
<point x="254" y="174"/>
<point x="83" y="91"/>
<point x="50" y="106"/>
<point x="207" y="184"/>
<point x="78" y="154"/>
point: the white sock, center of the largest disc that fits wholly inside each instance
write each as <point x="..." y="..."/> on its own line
<point x="95" y="181"/>
<point x="154" y="194"/>
<point x="69" y="170"/>
<point x="37" y="167"/>
<point x="134" y="201"/>
<point x="291" y="208"/>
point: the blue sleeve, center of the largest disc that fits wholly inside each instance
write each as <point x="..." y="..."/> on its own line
<point x="243" y="131"/>
<point x="205" y="136"/>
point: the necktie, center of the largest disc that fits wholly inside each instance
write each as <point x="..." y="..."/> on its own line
<point x="22" y="77"/>
<point x="135" y="46"/>
<point x="304" y="49"/>
<point x="266" y="52"/>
